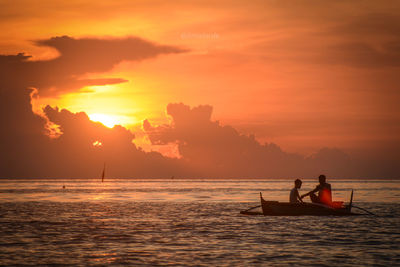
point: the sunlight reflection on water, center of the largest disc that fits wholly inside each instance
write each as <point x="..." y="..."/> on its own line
<point x="181" y="222"/>
<point x="187" y="190"/>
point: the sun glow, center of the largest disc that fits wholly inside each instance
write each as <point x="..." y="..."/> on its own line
<point x="107" y="120"/>
<point x="109" y="105"/>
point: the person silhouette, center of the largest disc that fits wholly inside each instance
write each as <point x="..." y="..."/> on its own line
<point x="324" y="192"/>
<point x="294" y="193"/>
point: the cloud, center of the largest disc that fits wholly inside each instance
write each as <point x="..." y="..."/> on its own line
<point x="99" y="55"/>
<point x="26" y="150"/>
<point x="371" y="40"/>
<point x="122" y="157"/>
<point x="77" y="57"/>
<point x="370" y="24"/>
<point x="348" y="52"/>
<point x="207" y="148"/>
<point x="363" y="55"/>
<point x="364" y="40"/>
<point x="213" y="150"/>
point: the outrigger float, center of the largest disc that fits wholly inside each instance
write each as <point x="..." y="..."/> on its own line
<point x="276" y="208"/>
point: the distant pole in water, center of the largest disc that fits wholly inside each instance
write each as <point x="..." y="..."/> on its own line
<point x="104" y="171"/>
<point x="351" y="200"/>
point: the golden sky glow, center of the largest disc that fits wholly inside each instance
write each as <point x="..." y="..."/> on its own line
<point x="275" y="69"/>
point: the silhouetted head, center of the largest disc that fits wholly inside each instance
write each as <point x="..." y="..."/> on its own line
<point x="297" y="183"/>
<point x="322" y="179"/>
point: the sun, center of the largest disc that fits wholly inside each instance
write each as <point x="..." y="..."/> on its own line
<point x="110" y="120"/>
<point x="107" y="120"/>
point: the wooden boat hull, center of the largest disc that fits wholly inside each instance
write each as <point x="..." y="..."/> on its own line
<point x="275" y="208"/>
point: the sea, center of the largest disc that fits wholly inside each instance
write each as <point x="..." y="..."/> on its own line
<point x="191" y="222"/>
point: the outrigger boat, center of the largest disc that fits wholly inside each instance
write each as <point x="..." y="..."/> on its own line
<point x="275" y="208"/>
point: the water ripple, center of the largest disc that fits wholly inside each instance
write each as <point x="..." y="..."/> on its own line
<point x="186" y="230"/>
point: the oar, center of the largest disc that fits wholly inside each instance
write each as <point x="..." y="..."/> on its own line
<point x="365" y="210"/>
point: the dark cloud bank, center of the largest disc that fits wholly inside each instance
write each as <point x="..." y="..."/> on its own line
<point x="208" y="149"/>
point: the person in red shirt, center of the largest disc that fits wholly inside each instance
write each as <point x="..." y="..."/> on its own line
<point x="324" y="192"/>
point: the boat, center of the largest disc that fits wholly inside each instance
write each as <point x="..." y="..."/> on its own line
<point x="276" y="208"/>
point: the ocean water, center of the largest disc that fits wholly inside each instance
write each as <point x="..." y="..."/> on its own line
<point x="191" y="223"/>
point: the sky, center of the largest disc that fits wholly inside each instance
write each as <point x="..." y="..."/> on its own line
<point x="200" y="89"/>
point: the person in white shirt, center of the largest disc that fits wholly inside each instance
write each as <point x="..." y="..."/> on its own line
<point x="294" y="193"/>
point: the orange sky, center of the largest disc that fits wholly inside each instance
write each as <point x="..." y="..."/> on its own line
<point x="302" y="76"/>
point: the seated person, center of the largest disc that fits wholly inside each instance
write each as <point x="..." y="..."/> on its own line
<point x="324" y="192"/>
<point x="294" y="193"/>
